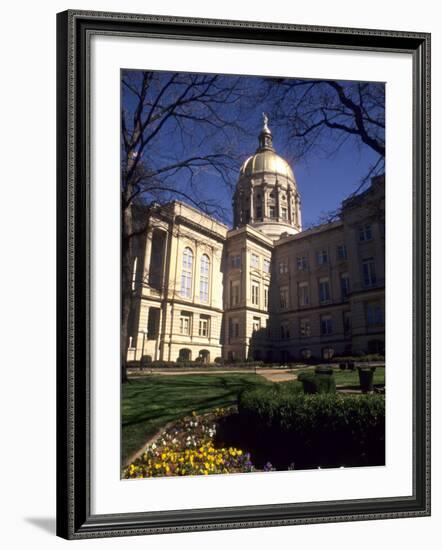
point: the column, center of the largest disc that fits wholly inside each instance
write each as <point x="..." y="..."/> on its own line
<point x="264" y="200"/>
<point x="277" y="201"/>
<point x="289" y="206"/>
<point x="252" y="217"/>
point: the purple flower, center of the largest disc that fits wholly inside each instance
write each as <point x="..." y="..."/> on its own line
<point x="268" y="467"/>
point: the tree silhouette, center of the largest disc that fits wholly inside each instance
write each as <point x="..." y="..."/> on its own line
<point x="173" y="127"/>
<point x="321" y="115"/>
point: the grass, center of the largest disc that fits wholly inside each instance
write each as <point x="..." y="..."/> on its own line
<point x="351" y="378"/>
<point x="150" y="402"/>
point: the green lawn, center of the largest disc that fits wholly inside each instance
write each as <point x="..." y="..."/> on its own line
<point x="150" y="402"/>
<point x="351" y="378"/>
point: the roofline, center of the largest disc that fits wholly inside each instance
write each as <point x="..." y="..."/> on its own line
<point x="198" y="211"/>
<point x="252" y="232"/>
<point x="308" y="232"/>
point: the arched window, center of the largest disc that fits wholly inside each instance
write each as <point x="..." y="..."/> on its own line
<point x="186" y="273"/>
<point x="184" y="355"/>
<point x="204" y="278"/>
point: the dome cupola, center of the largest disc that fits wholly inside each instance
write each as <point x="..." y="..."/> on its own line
<point x="266" y="195"/>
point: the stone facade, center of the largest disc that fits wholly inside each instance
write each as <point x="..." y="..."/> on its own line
<point x="264" y="289"/>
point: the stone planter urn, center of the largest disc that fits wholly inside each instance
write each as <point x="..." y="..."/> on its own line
<point x="366" y="375"/>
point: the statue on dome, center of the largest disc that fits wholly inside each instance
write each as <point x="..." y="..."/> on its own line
<point x="266" y="121"/>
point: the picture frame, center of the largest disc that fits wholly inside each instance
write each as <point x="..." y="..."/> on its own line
<point x="75" y="519"/>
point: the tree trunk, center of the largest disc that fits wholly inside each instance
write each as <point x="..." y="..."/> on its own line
<point x="126" y="287"/>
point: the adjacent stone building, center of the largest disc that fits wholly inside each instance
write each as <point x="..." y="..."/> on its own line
<point x="265" y="289"/>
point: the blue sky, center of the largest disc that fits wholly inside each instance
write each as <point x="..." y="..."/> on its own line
<point x="323" y="180"/>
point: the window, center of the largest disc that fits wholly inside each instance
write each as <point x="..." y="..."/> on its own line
<point x="266" y="265"/>
<point x="153" y="323"/>
<point x="283" y="267"/>
<point x="346" y="319"/>
<point x="185" y="323"/>
<point x="255" y="294"/>
<point x="184" y="354"/>
<point x="271" y="211"/>
<point x="345" y="285"/>
<point x="285" y="330"/>
<point x="234" y="293"/>
<point x="303" y="294"/>
<point x="234" y="328"/>
<point x="134" y="273"/>
<point x="342" y="252"/>
<point x="204" y="278"/>
<point x="322" y="257"/>
<point x="283" y="298"/>
<point x="375" y="314"/>
<point x="302" y="263"/>
<point x="326" y="325"/>
<point x="324" y="291"/>
<point x="304" y="327"/>
<point x="369" y="272"/>
<point x="259" y="212"/>
<point x="186" y="273"/>
<point x="256" y="324"/>
<point x="365" y="233"/>
<point x="156" y="263"/>
<point x="203" y="328"/>
<point x="266" y="296"/>
<point x="254" y="261"/>
<point x="327" y="353"/>
<point x="204" y="356"/>
<point x="284" y="213"/>
<point x="235" y="260"/>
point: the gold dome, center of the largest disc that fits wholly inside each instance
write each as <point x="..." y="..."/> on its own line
<point x="267" y="161"/>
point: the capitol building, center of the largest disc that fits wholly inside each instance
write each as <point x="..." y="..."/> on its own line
<point x="265" y="289"/>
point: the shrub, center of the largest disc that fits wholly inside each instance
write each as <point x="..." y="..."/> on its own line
<point x="145" y="361"/>
<point x="314" y="430"/>
<point x="171" y="364"/>
<point x="320" y="381"/>
<point x="198" y="364"/>
<point x="359" y="358"/>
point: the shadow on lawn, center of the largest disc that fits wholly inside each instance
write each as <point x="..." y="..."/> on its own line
<point x="158" y="397"/>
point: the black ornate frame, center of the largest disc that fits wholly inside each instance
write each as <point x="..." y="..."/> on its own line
<point x="74" y="30"/>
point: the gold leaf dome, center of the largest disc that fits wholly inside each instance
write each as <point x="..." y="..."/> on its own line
<point x="266" y="195"/>
<point x="267" y="161"/>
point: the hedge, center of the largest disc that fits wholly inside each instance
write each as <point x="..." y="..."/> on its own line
<point x="284" y="427"/>
<point x="359" y="359"/>
<point x="157" y="364"/>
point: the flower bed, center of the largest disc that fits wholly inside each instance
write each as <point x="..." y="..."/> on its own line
<point x="187" y="448"/>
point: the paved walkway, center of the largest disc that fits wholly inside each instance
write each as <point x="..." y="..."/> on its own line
<point x="278" y="375"/>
